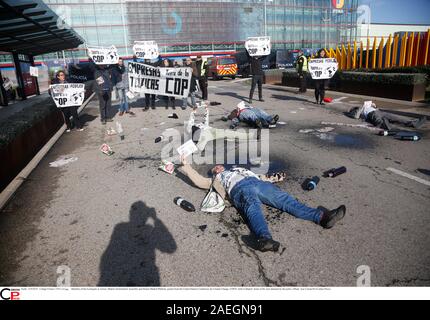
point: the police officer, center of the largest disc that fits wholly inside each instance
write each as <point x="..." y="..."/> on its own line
<point x="302" y="69"/>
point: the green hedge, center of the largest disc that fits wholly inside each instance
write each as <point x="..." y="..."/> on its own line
<point x="383" y="78"/>
<point x="19" y="122"/>
<point x="419" y="69"/>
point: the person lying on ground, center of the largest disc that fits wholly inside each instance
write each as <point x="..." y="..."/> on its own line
<point x="248" y="191"/>
<point x="381" y="119"/>
<point x="202" y="132"/>
<point x="252" y="116"/>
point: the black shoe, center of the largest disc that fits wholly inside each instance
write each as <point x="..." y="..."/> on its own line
<point x="322" y="103"/>
<point x="258" y="124"/>
<point x="103" y="122"/>
<point x="224" y="118"/>
<point x="330" y="218"/>
<point x="265" y="245"/>
<point x="261" y="100"/>
<point x="417" y="124"/>
<point x="275" y="119"/>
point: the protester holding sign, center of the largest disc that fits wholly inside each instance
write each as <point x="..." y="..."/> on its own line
<point x="104" y="86"/>
<point x="150" y="98"/>
<point x="120" y="80"/>
<point x="170" y="100"/>
<point x="189" y="63"/>
<point x="322" y="69"/>
<point x="60" y="78"/>
<point x="257" y="77"/>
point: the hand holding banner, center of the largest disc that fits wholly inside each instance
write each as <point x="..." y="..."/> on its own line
<point x="146" y="50"/>
<point x="258" y="46"/>
<point x="68" y="94"/>
<point x="102" y="55"/>
<point x="321" y="69"/>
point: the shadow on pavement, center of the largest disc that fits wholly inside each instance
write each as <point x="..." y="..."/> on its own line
<point x="129" y="259"/>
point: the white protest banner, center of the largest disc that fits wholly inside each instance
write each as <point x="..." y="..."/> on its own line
<point x="68" y="94"/>
<point x="187" y="148"/>
<point x="321" y="69"/>
<point x="171" y="82"/>
<point x="34" y="71"/>
<point x="102" y="55"/>
<point x="146" y="50"/>
<point x="258" y="46"/>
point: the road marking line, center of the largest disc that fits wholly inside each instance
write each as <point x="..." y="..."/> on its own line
<point x="338" y="100"/>
<point x="409" y="176"/>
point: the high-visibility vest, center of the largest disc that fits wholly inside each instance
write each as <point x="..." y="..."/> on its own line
<point x="305" y="63"/>
<point x="203" y="70"/>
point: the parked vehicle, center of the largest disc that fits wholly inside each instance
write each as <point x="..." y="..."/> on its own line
<point x="224" y="66"/>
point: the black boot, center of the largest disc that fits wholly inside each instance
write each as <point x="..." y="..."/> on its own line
<point x="330" y="218"/>
<point x="265" y="245"/>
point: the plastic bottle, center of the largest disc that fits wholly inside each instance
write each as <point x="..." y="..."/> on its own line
<point x="332" y="173"/>
<point x="184" y="204"/>
<point x="385" y="133"/>
<point x="410" y="138"/>
<point x="311" y="184"/>
<point x="119" y="130"/>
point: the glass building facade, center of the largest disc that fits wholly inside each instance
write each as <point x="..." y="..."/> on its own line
<point x="209" y="25"/>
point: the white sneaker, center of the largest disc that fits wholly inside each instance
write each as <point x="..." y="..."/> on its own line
<point x="81" y="129"/>
<point x="68" y="130"/>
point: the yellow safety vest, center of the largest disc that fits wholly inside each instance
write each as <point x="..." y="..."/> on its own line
<point x="305" y="64"/>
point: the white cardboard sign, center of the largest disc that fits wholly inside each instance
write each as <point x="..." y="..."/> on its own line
<point x="68" y="94"/>
<point x="34" y="71"/>
<point x="258" y="46"/>
<point x="321" y="69"/>
<point x="146" y="50"/>
<point x="187" y="149"/>
<point x="102" y="55"/>
<point x="171" y="82"/>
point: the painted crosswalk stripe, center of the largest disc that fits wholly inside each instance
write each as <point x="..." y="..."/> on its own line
<point x="409" y="176"/>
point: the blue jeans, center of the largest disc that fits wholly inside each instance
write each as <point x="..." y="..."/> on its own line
<point x="249" y="195"/>
<point x="193" y="100"/>
<point x="251" y="115"/>
<point x="123" y="103"/>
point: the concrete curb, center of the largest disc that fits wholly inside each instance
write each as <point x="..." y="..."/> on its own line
<point x="13" y="186"/>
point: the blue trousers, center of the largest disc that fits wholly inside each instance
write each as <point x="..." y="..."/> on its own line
<point x="249" y="195"/>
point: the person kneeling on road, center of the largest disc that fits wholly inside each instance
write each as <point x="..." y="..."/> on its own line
<point x="248" y="191"/>
<point x="252" y="116"/>
<point x="381" y="119"/>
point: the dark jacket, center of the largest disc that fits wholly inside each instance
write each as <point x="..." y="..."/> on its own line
<point x="199" y="65"/>
<point x="117" y="72"/>
<point x="256" y="65"/>
<point x="105" y="74"/>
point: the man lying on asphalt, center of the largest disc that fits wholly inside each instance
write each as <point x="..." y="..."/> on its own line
<point x="252" y="116"/>
<point x="248" y="191"/>
<point x="381" y="119"/>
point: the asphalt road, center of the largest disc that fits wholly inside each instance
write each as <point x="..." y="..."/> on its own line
<point x="112" y="220"/>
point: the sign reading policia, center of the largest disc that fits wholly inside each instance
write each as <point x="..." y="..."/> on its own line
<point x="321" y="69"/>
<point x="68" y="94"/>
<point x="172" y="82"/>
<point x="146" y="50"/>
<point x="258" y="46"/>
<point x="101" y="55"/>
